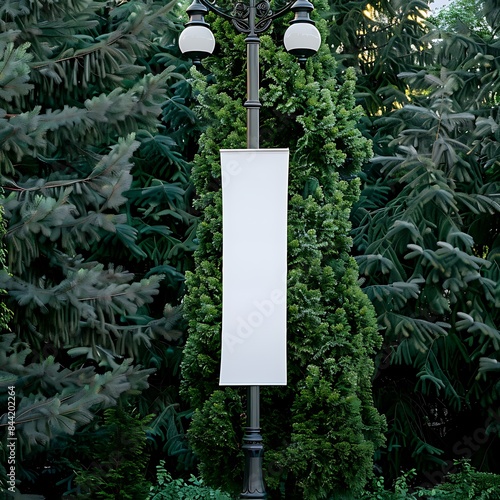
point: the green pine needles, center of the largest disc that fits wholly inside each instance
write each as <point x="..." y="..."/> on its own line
<point x="113" y="465"/>
<point x="99" y="226"/>
<point x="321" y="430"/>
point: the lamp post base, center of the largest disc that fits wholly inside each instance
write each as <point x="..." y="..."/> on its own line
<point x="253" y="483"/>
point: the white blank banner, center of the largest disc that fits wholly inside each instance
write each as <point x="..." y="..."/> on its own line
<point x="254" y="264"/>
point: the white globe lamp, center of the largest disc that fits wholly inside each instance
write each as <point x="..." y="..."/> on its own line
<point x="196" y="40"/>
<point x="302" y="38"/>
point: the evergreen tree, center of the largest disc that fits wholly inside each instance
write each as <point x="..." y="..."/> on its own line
<point x="428" y="234"/>
<point x="119" y="459"/>
<point x="380" y="39"/>
<point x="321" y="430"/>
<point x="99" y="226"/>
<point x="462" y="16"/>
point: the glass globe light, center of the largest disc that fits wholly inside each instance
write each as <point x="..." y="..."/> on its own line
<point x="302" y="38"/>
<point x="196" y="40"/>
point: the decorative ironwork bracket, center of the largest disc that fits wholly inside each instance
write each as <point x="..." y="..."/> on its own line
<point x="242" y="18"/>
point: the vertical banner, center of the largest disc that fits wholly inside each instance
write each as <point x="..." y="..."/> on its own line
<point x="254" y="265"/>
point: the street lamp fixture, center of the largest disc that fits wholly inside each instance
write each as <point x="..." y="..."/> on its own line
<point x="196" y="39"/>
<point x="302" y="39"/>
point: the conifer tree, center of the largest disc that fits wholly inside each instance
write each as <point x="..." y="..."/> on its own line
<point x="427" y="230"/>
<point x="320" y="431"/>
<point x="380" y="39"/>
<point x="96" y="205"/>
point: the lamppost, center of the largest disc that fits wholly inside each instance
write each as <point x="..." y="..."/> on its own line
<point x="302" y="39"/>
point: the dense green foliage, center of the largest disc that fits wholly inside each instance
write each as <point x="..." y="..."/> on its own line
<point x="167" y="488"/>
<point x="380" y="39"/>
<point x="94" y="147"/>
<point x="463" y="484"/>
<point x="463" y="16"/>
<point x="112" y="461"/>
<point x="321" y="430"/>
<point x="427" y="230"/>
<point x="96" y="136"/>
<point x="431" y="262"/>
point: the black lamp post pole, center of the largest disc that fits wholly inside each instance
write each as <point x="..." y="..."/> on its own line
<point x="252" y="19"/>
<point x="253" y="481"/>
<point x="252" y="104"/>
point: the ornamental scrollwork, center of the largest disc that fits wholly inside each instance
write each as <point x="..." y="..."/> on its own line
<point x="241" y="14"/>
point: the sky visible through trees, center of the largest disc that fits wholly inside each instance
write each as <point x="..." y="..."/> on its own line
<point x="439" y="4"/>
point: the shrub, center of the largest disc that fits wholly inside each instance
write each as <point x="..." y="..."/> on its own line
<point x="466" y="484"/>
<point x="118" y="459"/>
<point x="178" y="489"/>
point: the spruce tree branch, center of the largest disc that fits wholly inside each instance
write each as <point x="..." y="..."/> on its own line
<point x="111" y="40"/>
